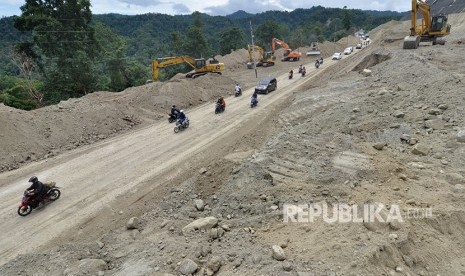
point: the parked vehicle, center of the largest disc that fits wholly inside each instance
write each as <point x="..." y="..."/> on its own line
<point x="359" y="46"/>
<point x="347" y="51"/>
<point x="337" y="56"/>
<point x="266" y="85"/>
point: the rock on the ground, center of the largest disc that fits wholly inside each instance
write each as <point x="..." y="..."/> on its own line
<point x="379" y="146"/>
<point x="420" y="149"/>
<point x="399" y="114"/>
<point x="366" y="72"/>
<point x="278" y="253"/>
<point x="459" y="189"/>
<point x="133" y="223"/>
<point x="213" y="265"/>
<point x="435" y="124"/>
<point x="461" y="136"/>
<point x="202" y="170"/>
<point x="200" y="224"/>
<point x="188" y="266"/>
<point x="88" y="267"/>
<point x="454" y="178"/>
<point x="199" y="204"/>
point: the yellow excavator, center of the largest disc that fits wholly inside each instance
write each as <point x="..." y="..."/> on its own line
<point x="265" y="59"/>
<point x="200" y="65"/>
<point x="431" y="29"/>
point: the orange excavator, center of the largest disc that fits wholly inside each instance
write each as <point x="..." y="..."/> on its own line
<point x="289" y="55"/>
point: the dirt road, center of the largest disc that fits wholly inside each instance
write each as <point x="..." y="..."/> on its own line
<point x="93" y="177"/>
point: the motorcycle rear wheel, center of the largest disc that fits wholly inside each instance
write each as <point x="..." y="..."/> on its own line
<point x="54" y="194"/>
<point x="24" y="212"/>
<point x="176" y="129"/>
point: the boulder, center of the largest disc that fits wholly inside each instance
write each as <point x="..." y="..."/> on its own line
<point x="200" y="224"/>
<point x="188" y="266"/>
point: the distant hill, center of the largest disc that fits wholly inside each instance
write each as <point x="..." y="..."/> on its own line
<point x="149" y="35"/>
<point x="446" y="6"/>
<point x="240" y="14"/>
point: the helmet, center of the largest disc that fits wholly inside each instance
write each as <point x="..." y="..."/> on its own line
<point x="182" y="111"/>
<point x="174" y="106"/>
<point x="33" y="179"/>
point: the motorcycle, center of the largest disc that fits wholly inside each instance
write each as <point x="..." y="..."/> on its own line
<point x="29" y="201"/>
<point x="181" y="126"/>
<point x="172" y="118"/>
<point x="218" y="108"/>
<point x="238" y="92"/>
<point x="253" y="102"/>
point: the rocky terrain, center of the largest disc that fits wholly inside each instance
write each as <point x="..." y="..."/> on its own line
<point x="385" y="126"/>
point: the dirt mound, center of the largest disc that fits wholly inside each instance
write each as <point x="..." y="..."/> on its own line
<point x="370" y="61"/>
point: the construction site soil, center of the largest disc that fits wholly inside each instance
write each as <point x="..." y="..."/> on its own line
<point x="381" y="127"/>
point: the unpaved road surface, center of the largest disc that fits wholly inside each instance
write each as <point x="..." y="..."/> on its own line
<point x="93" y="177"/>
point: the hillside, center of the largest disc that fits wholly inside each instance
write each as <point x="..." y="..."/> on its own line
<point x="211" y="200"/>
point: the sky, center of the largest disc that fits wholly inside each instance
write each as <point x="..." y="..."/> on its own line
<point x="216" y="7"/>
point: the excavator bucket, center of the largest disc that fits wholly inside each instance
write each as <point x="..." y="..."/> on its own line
<point x="411" y="42"/>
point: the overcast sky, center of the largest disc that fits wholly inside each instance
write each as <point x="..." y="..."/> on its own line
<point x="216" y="7"/>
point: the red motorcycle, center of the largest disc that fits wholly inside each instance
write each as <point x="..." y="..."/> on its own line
<point x="29" y="201"/>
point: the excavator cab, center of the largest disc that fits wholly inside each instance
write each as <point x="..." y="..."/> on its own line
<point x="438" y="23"/>
<point x="200" y="63"/>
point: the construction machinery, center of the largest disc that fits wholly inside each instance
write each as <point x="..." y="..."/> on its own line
<point x="289" y="55"/>
<point x="200" y="65"/>
<point x="314" y="50"/>
<point x="265" y="59"/>
<point x="431" y="28"/>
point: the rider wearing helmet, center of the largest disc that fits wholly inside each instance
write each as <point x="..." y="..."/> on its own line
<point x="182" y="118"/>
<point x="37" y="187"/>
<point x="174" y="111"/>
<point x="237" y="88"/>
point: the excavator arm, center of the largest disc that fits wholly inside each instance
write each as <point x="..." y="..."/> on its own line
<point x="200" y="65"/>
<point x="265" y="58"/>
<point x="169" y="61"/>
<point x="289" y="55"/>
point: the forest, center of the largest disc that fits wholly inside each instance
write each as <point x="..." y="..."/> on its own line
<point x="59" y="50"/>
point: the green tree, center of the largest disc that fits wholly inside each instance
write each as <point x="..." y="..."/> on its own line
<point x="231" y="39"/>
<point x="176" y="43"/>
<point x="64" y="43"/>
<point x="196" y="44"/>
<point x="267" y="31"/>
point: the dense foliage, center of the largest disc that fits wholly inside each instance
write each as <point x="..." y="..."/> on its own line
<point x="60" y="50"/>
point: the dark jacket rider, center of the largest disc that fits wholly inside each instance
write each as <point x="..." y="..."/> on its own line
<point x="174" y="111"/>
<point x="37" y="187"/>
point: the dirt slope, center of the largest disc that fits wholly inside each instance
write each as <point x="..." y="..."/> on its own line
<point x="392" y="136"/>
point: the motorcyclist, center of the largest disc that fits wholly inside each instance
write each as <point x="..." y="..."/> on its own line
<point x="182" y="118"/>
<point x="174" y="111"/>
<point x="237" y="88"/>
<point x="222" y="103"/>
<point x="300" y="68"/>
<point x="37" y="188"/>
<point x="254" y="99"/>
<point x="291" y="74"/>
<point x="317" y="63"/>
<point x="321" y="60"/>
<point x="304" y="71"/>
